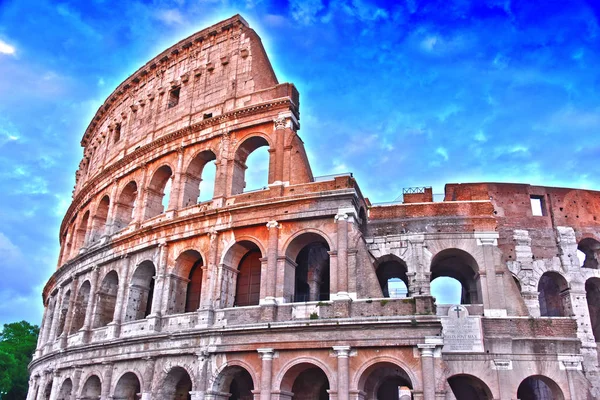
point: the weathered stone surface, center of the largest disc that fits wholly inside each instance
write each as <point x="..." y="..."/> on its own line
<point x="281" y="290"/>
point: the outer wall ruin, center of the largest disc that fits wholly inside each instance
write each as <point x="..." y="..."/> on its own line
<point x="285" y="292"/>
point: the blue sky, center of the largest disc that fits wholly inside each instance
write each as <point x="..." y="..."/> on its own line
<point x="405" y="93"/>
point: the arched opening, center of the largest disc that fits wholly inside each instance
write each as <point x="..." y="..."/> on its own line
<point x="141" y="291"/>
<point x="391" y="274"/>
<point x="99" y="221"/>
<point x="588" y="252"/>
<point x="128" y="387"/>
<point x="81" y="231"/>
<point x="461" y="266"/>
<point x="157" y="196"/>
<point x="310" y="251"/>
<point x="539" y="387"/>
<point x="64" y="308"/>
<point x="186" y="283"/>
<point x="65" y="390"/>
<point x="177" y="385"/>
<point x="592" y="294"/>
<point x="236" y="381"/>
<point x="553" y="295"/>
<point x="81" y="303"/>
<point x="468" y="387"/>
<point x="48" y="391"/>
<point x="196" y="182"/>
<point x="247" y="292"/>
<point x="256" y="162"/>
<point x="385" y="380"/>
<point x="106" y="300"/>
<point x="124" y="207"/>
<point x="92" y="389"/>
<point x="306" y="382"/>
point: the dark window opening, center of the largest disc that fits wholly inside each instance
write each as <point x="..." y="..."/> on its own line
<point x="207" y="115"/>
<point x="117" y="134"/>
<point x="537" y="206"/>
<point x="174" y="97"/>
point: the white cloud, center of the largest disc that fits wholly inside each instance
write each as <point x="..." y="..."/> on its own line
<point x="305" y="11"/>
<point x="442" y="152"/>
<point x="170" y="16"/>
<point x="6" y="48"/>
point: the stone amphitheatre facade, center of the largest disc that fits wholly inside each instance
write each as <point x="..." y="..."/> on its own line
<point x="286" y="292"/>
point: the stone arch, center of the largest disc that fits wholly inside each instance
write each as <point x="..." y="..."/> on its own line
<point x="517" y="282"/>
<point x="553" y="295"/>
<point x="64" y="309"/>
<point x="177" y="384"/>
<point x="141" y="292"/>
<point x="66" y="389"/>
<point x="155" y="192"/>
<point x="100" y="219"/>
<point x="306" y="381"/>
<point x="461" y="266"/>
<point x="92" y="388"/>
<point x="241" y="267"/>
<point x="590" y="249"/>
<point x="193" y="176"/>
<point x="592" y="294"/>
<point x="48" y="390"/>
<point x="389" y="268"/>
<point x="381" y="373"/>
<point x="539" y="387"/>
<point x="278" y="381"/>
<point x="81" y="303"/>
<point x="128" y="387"/>
<point x="106" y="299"/>
<point x="234" y="377"/>
<point x="186" y="282"/>
<point x="81" y="231"/>
<point x="125" y="205"/>
<point x="467" y="387"/>
<point x="308" y="263"/>
<point x="249" y="144"/>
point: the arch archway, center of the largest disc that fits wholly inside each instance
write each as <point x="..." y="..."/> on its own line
<point x="242" y="153"/>
<point x="592" y="294"/>
<point x="385" y="380"/>
<point x="186" y="283"/>
<point x="157" y="192"/>
<point x="310" y="252"/>
<point x="588" y="250"/>
<point x="82" y="231"/>
<point x="66" y="388"/>
<point x="92" y="389"/>
<point x="177" y="385"/>
<point x="141" y="292"/>
<point x="467" y="387"/>
<point x="81" y="303"/>
<point x="100" y="218"/>
<point x="236" y="381"/>
<point x="539" y="387"/>
<point x="128" y="387"/>
<point x="64" y="308"/>
<point x="306" y="381"/>
<point x="194" y="177"/>
<point x="125" y="206"/>
<point x="391" y="274"/>
<point x="241" y="274"/>
<point x="106" y="299"/>
<point x="48" y="391"/>
<point x="461" y="266"/>
<point x="553" y="295"/>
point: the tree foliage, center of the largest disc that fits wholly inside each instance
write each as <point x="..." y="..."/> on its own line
<point x="17" y="344"/>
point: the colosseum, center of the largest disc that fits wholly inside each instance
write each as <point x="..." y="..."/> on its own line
<point x="295" y="291"/>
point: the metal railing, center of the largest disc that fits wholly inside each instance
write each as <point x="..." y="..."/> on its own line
<point x="330" y="177"/>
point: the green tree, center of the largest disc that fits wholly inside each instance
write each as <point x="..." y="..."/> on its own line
<point x="17" y="344"/>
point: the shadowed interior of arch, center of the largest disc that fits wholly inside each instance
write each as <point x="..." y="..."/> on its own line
<point x="306" y="381"/>
<point x="468" y="387"/>
<point x="311" y="274"/>
<point x="386" y="380"/>
<point x="128" y="387"/>
<point x="462" y="268"/>
<point x="592" y="294"/>
<point x="141" y="292"/>
<point x="92" y="389"/>
<point x="552" y="297"/>
<point x="177" y="385"/>
<point x="186" y="284"/>
<point x="539" y="387"/>
<point x="106" y="300"/>
<point x="588" y="253"/>
<point x="66" y="389"/>
<point x="236" y="381"/>
<point x="391" y="274"/>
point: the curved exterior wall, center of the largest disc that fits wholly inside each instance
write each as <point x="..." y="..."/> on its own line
<point x="281" y="293"/>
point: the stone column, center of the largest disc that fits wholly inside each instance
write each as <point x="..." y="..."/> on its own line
<point x="280" y="129"/>
<point x="76" y="382"/>
<point x="70" y="311"/>
<point x="343" y="378"/>
<point x="43" y="331"/>
<point x="428" y="370"/>
<point x="55" y="317"/>
<point x="266" y="372"/>
<point x="270" y="278"/>
<point x="572" y="367"/>
<point x="150" y="363"/>
<point x="33" y="383"/>
<point x="175" y="196"/>
<point x="141" y="197"/>
<point x="91" y="305"/>
<point x="112" y="207"/>
<point x="120" y="303"/>
<point x="107" y="381"/>
<point x="342" y="254"/>
<point x="160" y="279"/>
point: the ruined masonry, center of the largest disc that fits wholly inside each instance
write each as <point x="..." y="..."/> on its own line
<point x="303" y="289"/>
